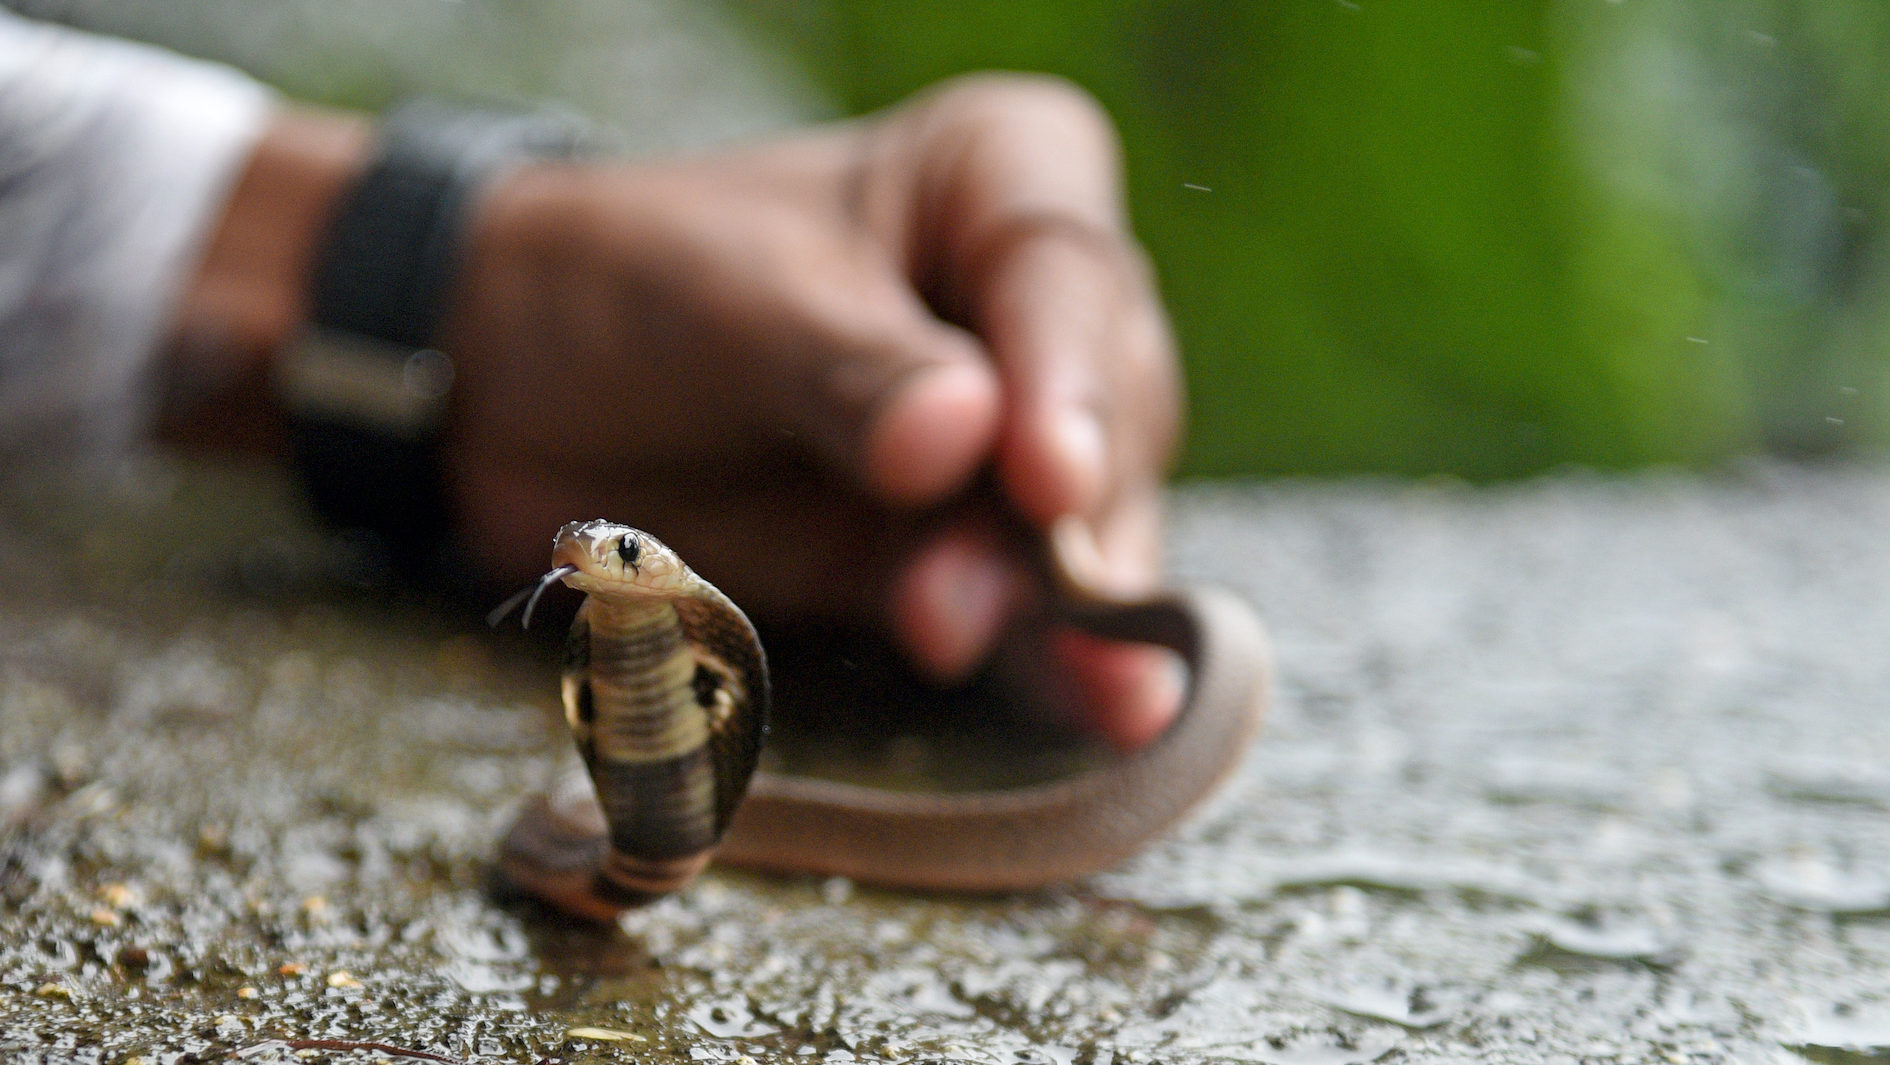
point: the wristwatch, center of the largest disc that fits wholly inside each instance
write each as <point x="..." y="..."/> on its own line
<point x="365" y="385"/>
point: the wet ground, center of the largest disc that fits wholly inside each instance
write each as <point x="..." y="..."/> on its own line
<point x="1586" y="769"/>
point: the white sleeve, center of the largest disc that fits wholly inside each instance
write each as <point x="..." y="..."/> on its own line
<point x="114" y="160"/>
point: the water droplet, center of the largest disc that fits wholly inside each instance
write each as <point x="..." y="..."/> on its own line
<point x="1404" y="1004"/>
<point x="1326" y="1049"/>
<point x="1840" y="1035"/>
<point x="1605" y="936"/>
<point x="1829" y="779"/>
<point x="1813" y="882"/>
<point x="728" y="1018"/>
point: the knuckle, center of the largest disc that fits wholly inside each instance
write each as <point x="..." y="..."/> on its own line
<point x="1000" y="99"/>
<point x="1151" y="374"/>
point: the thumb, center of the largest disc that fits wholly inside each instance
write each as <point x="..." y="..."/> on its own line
<point x="906" y="405"/>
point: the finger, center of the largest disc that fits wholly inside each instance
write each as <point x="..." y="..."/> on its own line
<point x="1027" y="218"/>
<point x="753" y="305"/>
<point x="951" y="600"/>
<point x="1128" y="693"/>
<point x="1116" y="555"/>
<point x="844" y="354"/>
<point x="927" y="434"/>
<point x="885" y="394"/>
<point x="1125" y="693"/>
<point x="1087" y="368"/>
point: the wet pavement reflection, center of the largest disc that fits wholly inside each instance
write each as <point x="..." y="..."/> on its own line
<point x="1585" y="769"/>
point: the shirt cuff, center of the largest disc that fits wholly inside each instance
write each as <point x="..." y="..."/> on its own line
<point x="115" y="160"/>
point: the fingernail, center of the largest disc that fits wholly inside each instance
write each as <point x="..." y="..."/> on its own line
<point x="954" y="600"/>
<point x="1078" y="554"/>
<point x="1153" y="706"/>
<point x="1074" y="550"/>
<point x="1170" y="685"/>
<point x="1083" y="452"/>
<point x="1129" y="692"/>
<point x="971" y="594"/>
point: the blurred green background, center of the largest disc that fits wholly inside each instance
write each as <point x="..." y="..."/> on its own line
<point x="1455" y="236"/>
<point x="1470" y="237"/>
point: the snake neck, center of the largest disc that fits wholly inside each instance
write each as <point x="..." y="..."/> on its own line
<point x="630" y="636"/>
<point x="638" y="673"/>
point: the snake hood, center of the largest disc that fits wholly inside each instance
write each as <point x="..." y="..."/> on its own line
<point x="666" y="691"/>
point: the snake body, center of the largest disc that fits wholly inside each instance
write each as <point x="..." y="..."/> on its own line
<point x="666" y="691"/>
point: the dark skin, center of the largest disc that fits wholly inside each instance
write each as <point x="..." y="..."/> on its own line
<point x="838" y="371"/>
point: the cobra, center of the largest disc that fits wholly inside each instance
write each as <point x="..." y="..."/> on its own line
<point x="666" y="692"/>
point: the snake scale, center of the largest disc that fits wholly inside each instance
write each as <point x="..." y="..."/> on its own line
<point x="666" y="691"/>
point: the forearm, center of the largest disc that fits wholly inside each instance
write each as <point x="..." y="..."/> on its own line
<point x="249" y="294"/>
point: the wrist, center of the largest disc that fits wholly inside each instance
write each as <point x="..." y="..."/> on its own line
<point x="250" y="293"/>
<point x="368" y="385"/>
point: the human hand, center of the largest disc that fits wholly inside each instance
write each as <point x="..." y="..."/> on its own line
<point x="833" y="369"/>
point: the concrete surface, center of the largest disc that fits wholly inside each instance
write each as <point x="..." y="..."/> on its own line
<point x="1585" y="769"/>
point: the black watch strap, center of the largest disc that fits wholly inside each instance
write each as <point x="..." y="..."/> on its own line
<point x="396" y="239"/>
<point x="366" y="386"/>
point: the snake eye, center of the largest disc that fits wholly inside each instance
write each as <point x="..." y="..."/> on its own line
<point x="629" y="550"/>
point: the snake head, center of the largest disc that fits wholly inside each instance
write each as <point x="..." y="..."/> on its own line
<point x="606" y="558"/>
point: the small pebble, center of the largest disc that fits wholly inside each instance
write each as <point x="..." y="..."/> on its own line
<point x="342" y="978"/>
<point x="213" y="839"/>
<point x="605" y="1035"/>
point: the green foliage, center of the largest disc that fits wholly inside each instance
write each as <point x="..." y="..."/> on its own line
<point x="1405" y="261"/>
